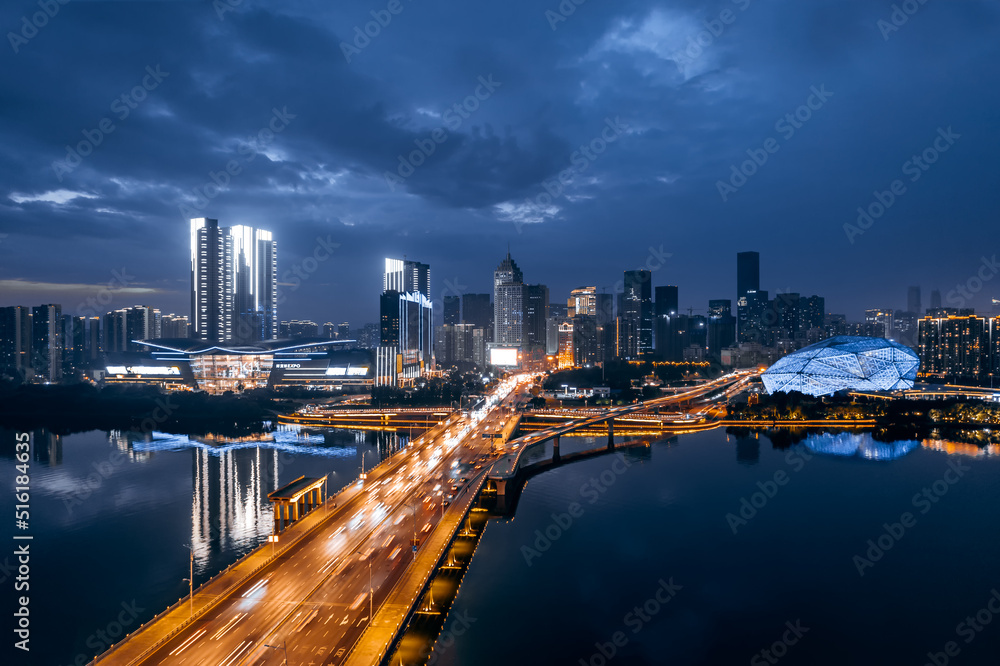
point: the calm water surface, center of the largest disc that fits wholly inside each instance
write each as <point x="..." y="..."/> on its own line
<point x="590" y="542"/>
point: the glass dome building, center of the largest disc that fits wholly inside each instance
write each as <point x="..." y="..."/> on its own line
<point x="844" y="363"/>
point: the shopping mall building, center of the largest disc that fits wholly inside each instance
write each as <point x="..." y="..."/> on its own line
<point x="185" y="364"/>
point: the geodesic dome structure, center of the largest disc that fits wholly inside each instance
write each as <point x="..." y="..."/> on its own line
<point x="845" y="362"/>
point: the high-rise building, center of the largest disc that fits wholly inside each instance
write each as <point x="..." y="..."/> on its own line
<point x="935" y="300"/>
<point x="452" y="310"/>
<point x="344" y="330"/>
<point x="508" y="303"/>
<point x="406" y="312"/>
<point x="582" y="300"/>
<point x="664" y="318"/>
<point x="565" y="357"/>
<point x="211" y="281"/>
<point x="635" y="333"/>
<point x="174" y="326"/>
<point x="477" y="309"/>
<point x="47" y="341"/>
<point x="406" y="277"/>
<point x="752" y="313"/>
<point x="747" y="273"/>
<point x="749" y="310"/>
<point x="721" y="327"/>
<point x="15" y="339"/>
<point x="234" y="282"/>
<point x="255" y="285"/>
<point x="955" y="347"/>
<point x="881" y="320"/>
<point x="536" y="311"/>
<point x="94" y="347"/>
<point x="329" y="330"/>
<point x="913" y="301"/>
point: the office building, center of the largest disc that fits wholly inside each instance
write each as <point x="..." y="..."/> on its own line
<point x="536" y="311"/>
<point x="508" y="304"/>
<point x="635" y="332"/>
<point x="406" y="322"/>
<point x="747" y="273"/>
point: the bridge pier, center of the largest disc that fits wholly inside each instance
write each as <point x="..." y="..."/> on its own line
<point x="555" y="449"/>
<point x="611" y="433"/>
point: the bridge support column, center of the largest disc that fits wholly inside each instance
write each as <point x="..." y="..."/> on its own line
<point x="555" y="449"/>
<point x="611" y="433"/>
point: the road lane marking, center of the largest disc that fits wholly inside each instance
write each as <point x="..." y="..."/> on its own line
<point x="233" y="656"/>
<point x="232" y="623"/>
<point x="183" y="646"/>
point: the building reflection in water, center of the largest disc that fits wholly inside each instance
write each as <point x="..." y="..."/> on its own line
<point x="960" y="448"/>
<point x="46" y="448"/>
<point x="861" y="445"/>
<point x="231" y="478"/>
<point x="229" y="507"/>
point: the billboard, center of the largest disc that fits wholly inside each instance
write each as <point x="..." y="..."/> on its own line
<point x="503" y="356"/>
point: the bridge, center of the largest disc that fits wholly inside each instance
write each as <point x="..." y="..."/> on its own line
<point x="344" y="580"/>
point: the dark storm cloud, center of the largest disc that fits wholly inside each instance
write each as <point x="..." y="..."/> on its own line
<point x="696" y="84"/>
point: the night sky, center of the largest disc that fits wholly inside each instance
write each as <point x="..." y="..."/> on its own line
<point x="665" y="98"/>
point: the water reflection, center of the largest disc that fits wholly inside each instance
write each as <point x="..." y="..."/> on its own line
<point x="861" y="445"/>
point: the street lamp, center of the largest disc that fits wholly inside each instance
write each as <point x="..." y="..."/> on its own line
<point x="363" y="475"/>
<point x="190" y="580"/>
<point x="282" y="648"/>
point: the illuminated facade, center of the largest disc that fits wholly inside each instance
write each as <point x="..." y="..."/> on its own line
<point x="844" y="363"/>
<point x="188" y="364"/>
<point x="508" y="303"/>
<point x="234" y="283"/>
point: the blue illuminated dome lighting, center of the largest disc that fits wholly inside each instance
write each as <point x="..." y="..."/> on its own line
<point x="858" y="445"/>
<point x="844" y="363"/>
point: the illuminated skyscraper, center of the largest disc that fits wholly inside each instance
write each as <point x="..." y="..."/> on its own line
<point x="234" y="283"/>
<point x="255" y="285"/>
<point x="508" y="303"/>
<point x="405" y="309"/>
<point x="635" y="333"/>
